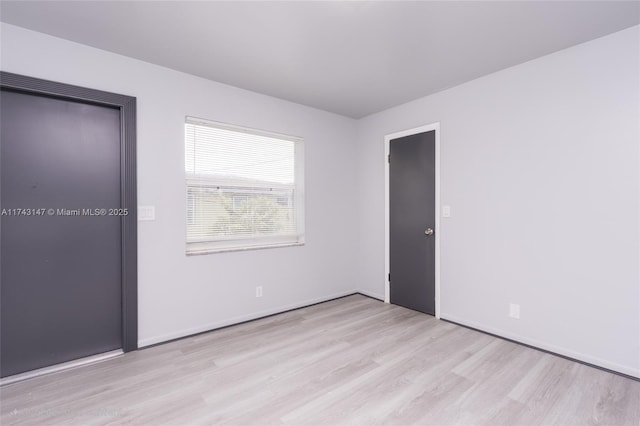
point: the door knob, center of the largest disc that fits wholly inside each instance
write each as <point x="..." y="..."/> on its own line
<point x="428" y="231"/>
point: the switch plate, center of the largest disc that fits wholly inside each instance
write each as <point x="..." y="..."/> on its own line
<point x="259" y="291"/>
<point x="146" y="212"/>
<point x="514" y="310"/>
<point x="446" y="211"/>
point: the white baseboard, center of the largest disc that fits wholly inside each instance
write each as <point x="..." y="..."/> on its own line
<point x="372" y="294"/>
<point x="624" y="369"/>
<point x="236" y="320"/>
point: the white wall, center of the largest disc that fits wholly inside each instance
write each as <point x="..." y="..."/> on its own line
<point x="540" y="164"/>
<point x="179" y="295"/>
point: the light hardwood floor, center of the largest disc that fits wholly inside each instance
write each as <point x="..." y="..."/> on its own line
<point x="352" y="361"/>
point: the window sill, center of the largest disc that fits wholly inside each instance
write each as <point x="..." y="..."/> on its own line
<point x="202" y="251"/>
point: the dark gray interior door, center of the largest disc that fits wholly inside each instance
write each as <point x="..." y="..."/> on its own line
<point x="412" y="222"/>
<point x="60" y="283"/>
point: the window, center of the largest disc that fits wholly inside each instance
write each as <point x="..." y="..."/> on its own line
<point x="191" y="208"/>
<point x="244" y="188"/>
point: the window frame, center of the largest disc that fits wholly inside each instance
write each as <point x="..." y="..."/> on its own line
<point x="241" y="242"/>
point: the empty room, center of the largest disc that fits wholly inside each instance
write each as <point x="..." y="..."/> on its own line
<point x="320" y="213"/>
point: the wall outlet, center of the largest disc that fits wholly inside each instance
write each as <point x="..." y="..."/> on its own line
<point x="259" y="291"/>
<point x="446" y="211"/>
<point x="514" y="310"/>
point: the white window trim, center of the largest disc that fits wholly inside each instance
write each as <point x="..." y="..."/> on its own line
<point x="245" y="243"/>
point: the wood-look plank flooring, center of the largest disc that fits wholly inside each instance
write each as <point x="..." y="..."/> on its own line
<point x="351" y="361"/>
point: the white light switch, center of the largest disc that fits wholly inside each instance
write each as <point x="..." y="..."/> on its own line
<point x="514" y="310"/>
<point x="146" y="212"/>
<point x="446" y="211"/>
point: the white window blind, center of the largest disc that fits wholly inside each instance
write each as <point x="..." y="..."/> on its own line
<point x="244" y="188"/>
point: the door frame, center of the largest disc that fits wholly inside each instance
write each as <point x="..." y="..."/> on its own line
<point x="387" y="143"/>
<point x="128" y="195"/>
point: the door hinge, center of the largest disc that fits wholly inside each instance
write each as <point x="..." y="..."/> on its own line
<point x="389" y="277"/>
<point x="389" y="158"/>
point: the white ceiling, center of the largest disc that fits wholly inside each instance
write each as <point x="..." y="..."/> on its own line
<point x="351" y="58"/>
